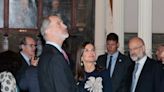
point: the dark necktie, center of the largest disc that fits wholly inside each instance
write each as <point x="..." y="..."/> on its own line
<point x="109" y="65"/>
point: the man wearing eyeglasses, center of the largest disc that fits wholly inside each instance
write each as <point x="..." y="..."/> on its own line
<point x="147" y="72"/>
<point x="27" y="55"/>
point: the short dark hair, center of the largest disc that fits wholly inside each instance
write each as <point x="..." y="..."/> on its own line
<point x="112" y="36"/>
<point x="23" y="41"/>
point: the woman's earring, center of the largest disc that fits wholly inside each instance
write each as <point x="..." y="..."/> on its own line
<point x="81" y="64"/>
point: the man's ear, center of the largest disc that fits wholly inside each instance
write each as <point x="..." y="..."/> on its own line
<point x="47" y="30"/>
<point x="21" y="46"/>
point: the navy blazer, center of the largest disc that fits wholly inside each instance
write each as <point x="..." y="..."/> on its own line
<point x="121" y="74"/>
<point x="54" y="72"/>
<point x="22" y="69"/>
<point x="106" y="82"/>
<point x="149" y="79"/>
<point x="30" y="80"/>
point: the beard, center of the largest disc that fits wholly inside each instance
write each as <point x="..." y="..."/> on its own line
<point x="61" y="36"/>
<point x="136" y="57"/>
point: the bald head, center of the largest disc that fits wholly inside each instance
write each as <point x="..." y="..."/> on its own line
<point x="136" y="41"/>
<point x="136" y="48"/>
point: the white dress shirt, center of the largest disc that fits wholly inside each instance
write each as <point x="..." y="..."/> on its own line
<point x="26" y="58"/>
<point x="141" y="63"/>
<point x="55" y="45"/>
<point x="113" y="63"/>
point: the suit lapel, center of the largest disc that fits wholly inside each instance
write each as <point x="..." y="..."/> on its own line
<point x="54" y="50"/>
<point x="143" y="73"/>
<point x="105" y="60"/>
<point x="23" y="61"/>
<point x="118" y="66"/>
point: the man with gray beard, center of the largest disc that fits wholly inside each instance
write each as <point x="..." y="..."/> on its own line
<point x="147" y="72"/>
<point x="54" y="72"/>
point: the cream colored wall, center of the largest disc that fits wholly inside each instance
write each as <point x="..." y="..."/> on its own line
<point x="131" y="16"/>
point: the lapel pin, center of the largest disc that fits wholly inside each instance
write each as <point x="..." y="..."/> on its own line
<point x="120" y="60"/>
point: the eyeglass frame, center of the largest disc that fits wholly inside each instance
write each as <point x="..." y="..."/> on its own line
<point x="31" y="45"/>
<point x="135" y="48"/>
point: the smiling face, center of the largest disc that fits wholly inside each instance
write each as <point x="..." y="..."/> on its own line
<point x="89" y="54"/>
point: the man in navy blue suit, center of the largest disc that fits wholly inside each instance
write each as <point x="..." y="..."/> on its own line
<point x="27" y="52"/>
<point x="147" y="72"/>
<point x="30" y="80"/>
<point x="54" y="72"/>
<point x="116" y="63"/>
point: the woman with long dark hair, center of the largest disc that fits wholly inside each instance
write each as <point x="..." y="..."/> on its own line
<point x="90" y="77"/>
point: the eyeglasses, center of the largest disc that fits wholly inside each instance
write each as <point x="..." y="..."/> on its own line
<point x="135" y="48"/>
<point x="31" y="45"/>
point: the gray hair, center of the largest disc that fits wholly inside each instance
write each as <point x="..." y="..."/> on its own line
<point x="44" y="26"/>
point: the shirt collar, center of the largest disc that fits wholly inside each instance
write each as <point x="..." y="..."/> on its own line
<point x="142" y="60"/>
<point x="55" y="45"/>
<point x="27" y="59"/>
<point x="115" y="55"/>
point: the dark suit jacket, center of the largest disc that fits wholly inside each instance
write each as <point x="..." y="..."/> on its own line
<point x="22" y="69"/>
<point x="30" y="80"/>
<point x="121" y="74"/>
<point x="21" y="72"/>
<point x="162" y="78"/>
<point x="149" y="79"/>
<point x="54" y="72"/>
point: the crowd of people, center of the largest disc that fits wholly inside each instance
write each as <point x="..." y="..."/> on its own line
<point x="52" y="72"/>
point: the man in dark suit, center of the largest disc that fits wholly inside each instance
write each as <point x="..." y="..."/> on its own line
<point x="53" y="68"/>
<point x="27" y="52"/>
<point x="116" y="63"/>
<point x="30" y="80"/>
<point x="146" y="74"/>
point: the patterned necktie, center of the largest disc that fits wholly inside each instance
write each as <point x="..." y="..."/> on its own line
<point x="134" y="77"/>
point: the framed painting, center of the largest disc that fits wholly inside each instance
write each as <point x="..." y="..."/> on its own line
<point x="22" y="14"/>
<point x="1" y="13"/>
<point x="61" y="8"/>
